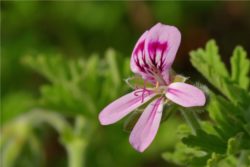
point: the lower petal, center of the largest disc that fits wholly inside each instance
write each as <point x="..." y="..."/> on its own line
<point x="147" y="126"/>
<point x="185" y="95"/>
<point x="124" y="105"/>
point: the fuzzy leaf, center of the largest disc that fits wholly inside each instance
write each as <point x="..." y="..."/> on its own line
<point x="240" y="66"/>
<point x="207" y="62"/>
<point x="225" y="114"/>
<point x="186" y="156"/>
<point x="210" y="57"/>
<point x="79" y="86"/>
<point x="211" y="143"/>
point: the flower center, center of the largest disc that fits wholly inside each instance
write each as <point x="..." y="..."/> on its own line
<point x="158" y="77"/>
<point x="160" y="89"/>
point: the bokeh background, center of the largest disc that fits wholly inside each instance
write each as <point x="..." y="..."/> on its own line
<point x="79" y="29"/>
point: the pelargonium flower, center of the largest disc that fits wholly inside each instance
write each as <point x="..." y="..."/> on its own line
<point x="152" y="59"/>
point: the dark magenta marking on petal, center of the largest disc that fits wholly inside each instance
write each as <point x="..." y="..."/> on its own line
<point x="153" y="47"/>
<point x="139" y="48"/>
<point x="148" y="65"/>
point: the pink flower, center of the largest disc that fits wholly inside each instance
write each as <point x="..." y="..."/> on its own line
<point x="152" y="59"/>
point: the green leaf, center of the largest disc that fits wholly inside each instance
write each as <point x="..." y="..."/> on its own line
<point x="207" y="61"/>
<point x="226" y="115"/>
<point x="67" y="99"/>
<point x="223" y="137"/>
<point x="209" y="57"/>
<point x="240" y="66"/>
<point x="206" y="142"/>
<point x="80" y="86"/>
<point x="52" y="67"/>
<point x="186" y="156"/>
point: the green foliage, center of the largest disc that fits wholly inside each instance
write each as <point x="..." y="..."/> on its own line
<point x="240" y="68"/>
<point x="224" y="138"/>
<point x="207" y="62"/>
<point x="15" y="104"/>
<point x="79" y="86"/>
<point x="76" y="89"/>
<point x="77" y="29"/>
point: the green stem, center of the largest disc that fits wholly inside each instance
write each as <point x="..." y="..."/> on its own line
<point x="74" y="139"/>
<point x="76" y="152"/>
<point x="76" y="146"/>
<point x="192" y="120"/>
<point x="243" y="159"/>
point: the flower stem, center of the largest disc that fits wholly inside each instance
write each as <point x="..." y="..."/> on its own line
<point x="76" y="152"/>
<point x="76" y="146"/>
<point x="192" y="120"/>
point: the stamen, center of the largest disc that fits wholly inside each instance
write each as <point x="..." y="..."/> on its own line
<point x="143" y="92"/>
<point x="157" y="85"/>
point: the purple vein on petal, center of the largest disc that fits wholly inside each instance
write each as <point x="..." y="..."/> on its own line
<point x="147" y="126"/>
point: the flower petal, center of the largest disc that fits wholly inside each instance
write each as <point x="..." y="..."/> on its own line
<point x="137" y="55"/>
<point x="161" y="46"/>
<point x="147" y="126"/>
<point x="154" y="53"/>
<point x="124" y="105"/>
<point x="185" y="95"/>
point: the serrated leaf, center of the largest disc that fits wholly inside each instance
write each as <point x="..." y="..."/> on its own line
<point x="207" y="62"/>
<point x="67" y="99"/>
<point x="228" y="116"/>
<point x="206" y="142"/>
<point x="209" y="56"/>
<point x="51" y="67"/>
<point x="186" y="156"/>
<point x="79" y="86"/>
<point x="240" y="66"/>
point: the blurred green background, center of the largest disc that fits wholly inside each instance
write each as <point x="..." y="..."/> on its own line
<point x="83" y="30"/>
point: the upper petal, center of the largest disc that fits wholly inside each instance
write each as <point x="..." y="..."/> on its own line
<point x="185" y="95"/>
<point x="147" y="126"/>
<point x="161" y="45"/>
<point x="136" y="62"/>
<point x="123" y="106"/>
<point x="155" y="51"/>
